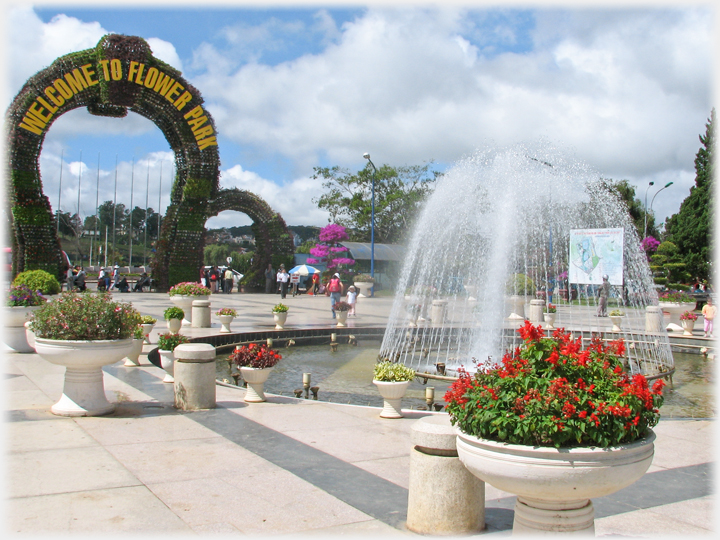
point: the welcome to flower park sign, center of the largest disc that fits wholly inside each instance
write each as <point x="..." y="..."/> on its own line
<point x="117" y="75"/>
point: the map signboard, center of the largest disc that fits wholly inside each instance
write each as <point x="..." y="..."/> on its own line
<point x="594" y="253"/>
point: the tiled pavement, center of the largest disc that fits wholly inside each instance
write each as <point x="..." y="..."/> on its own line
<point x="284" y="467"/>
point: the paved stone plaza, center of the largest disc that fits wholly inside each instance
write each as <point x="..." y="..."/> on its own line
<point x="287" y="466"/>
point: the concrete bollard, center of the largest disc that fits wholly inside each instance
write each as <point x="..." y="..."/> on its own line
<point x="194" y="376"/>
<point x="438" y="311"/>
<point x="536" y="311"/>
<point x="201" y="314"/>
<point x="444" y="498"/>
<point x="653" y="319"/>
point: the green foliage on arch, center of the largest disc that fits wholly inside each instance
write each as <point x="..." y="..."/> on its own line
<point x="117" y="75"/>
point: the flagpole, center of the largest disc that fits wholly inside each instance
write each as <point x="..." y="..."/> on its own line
<point x="132" y="184"/>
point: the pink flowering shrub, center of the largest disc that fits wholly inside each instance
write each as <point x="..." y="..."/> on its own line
<point x="327" y="252"/>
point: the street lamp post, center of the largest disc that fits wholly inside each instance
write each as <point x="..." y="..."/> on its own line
<point x="658" y="191"/>
<point x="646" y="209"/>
<point x="372" y="224"/>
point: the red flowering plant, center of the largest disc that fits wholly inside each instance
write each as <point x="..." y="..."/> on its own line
<point x="551" y="392"/>
<point x="254" y="356"/>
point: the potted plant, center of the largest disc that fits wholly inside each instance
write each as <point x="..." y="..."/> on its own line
<point x="226" y="316"/>
<point x="166" y="345"/>
<point x="616" y="317"/>
<point x="184" y="294"/>
<point x="675" y="303"/>
<point x="687" y="320"/>
<point x="148" y="323"/>
<point x="549" y="315"/>
<point x="174" y="317"/>
<point x="519" y="288"/>
<point x="254" y="363"/>
<point x="364" y="284"/>
<point x="21" y="302"/>
<point x="341" y="308"/>
<point x="392" y="380"/>
<point x="38" y="280"/>
<point x="279" y="312"/>
<point x="133" y="357"/>
<point x="84" y="332"/>
<point x="556" y="425"/>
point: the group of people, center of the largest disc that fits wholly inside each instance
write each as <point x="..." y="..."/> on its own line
<point x="108" y="280"/>
<point x="217" y="279"/>
<point x="278" y="282"/>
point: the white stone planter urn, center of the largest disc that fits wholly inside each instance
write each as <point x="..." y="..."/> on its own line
<point x="280" y="317"/>
<point x="174" y="325"/>
<point x="167" y="361"/>
<point x="83" y="390"/>
<point x="184" y="302"/>
<point x="688" y="326"/>
<point x="549" y="320"/>
<point x="146" y="329"/>
<point x="364" y="288"/>
<point x="675" y="309"/>
<point x="341" y="318"/>
<point x="255" y="379"/>
<point x="225" y="321"/>
<point x="516" y="304"/>
<point x="392" y="394"/>
<point x="616" y="322"/>
<point x="554" y="485"/>
<point x="15" y="336"/>
<point x="132" y="358"/>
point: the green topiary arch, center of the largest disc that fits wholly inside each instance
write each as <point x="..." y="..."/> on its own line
<point x="118" y="75"/>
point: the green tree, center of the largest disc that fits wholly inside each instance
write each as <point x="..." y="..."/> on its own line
<point x="399" y="194"/>
<point x="635" y="207"/>
<point x="667" y="266"/>
<point x="691" y="228"/>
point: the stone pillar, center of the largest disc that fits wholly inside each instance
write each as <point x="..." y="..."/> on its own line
<point x="536" y="311"/>
<point x="653" y="319"/>
<point x="194" y="372"/>
<point x="201" y="314"/>
<point x="444" y="498"/>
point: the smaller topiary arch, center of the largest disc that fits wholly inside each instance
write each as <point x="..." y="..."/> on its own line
<point x="273" y="243"/>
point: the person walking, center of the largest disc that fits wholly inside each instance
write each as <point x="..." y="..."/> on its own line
<point x="603" y="293"/>
<point x="228" y="280"/>
<point x="352" y="300"/>
<point x="335" y="289"/>
<point x="115" y="277"/>
<point x="269" y="279"/>
<point x="316" y="283"/>
<point x="709" y="311"/>
<point x="282" y="278"/>
<point x="214" y="279"/>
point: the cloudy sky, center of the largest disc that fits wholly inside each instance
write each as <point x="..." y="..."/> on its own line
<point x="626" y="90"/>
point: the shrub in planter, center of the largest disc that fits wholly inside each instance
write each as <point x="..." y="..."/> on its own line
<point x="550" y="392"/>
<point x="688" y="316"/>
<point x="189" y="288"/>
<point x="148" y="319"/>
<point x="388" y="371"/>
<point x="617" y="313"/>
<point x="341" y="306"/>
<point x="230" y="312"/>
<point x="38" y="280"/>
<point x="168" y="341"/>
<point x="363" y="278"/>
<point x="676" y="297"/>
<point x="254" y="356"/>
<point x="24" y="296"/>
<point x="173" y="312"/>
<point x="85" y="317"/>
<point x="280" y="308"/>
<point x="551" y="308"/>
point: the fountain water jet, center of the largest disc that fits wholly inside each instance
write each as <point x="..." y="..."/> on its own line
<point x="498" y="214"/>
